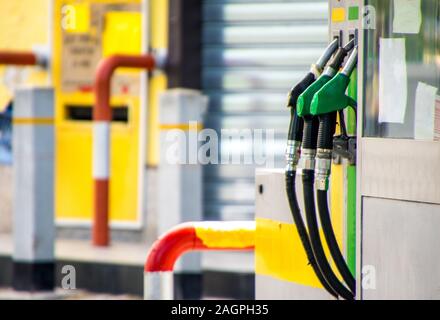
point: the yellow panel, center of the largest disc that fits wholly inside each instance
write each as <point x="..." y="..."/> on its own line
<point x="235" y="235"/>
<point x="279" y="254"/>
<point x="337" y="202"/>
<point x="74" y="182"/>
<point x="338" y="15"/>
<point x="122" y="28"/>
<point x="73" y="172"/>
<point x="17" y="18"/>
<point x="159" y="24"/>
<point x="158" y="83"/>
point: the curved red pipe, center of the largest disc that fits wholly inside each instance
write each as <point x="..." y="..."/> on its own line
<point x="165" y="251"/>
<point x="104" y="73"/>
<point x="176" y="242"/>
<point x="18" y="58"/>
<point x="102" y="112"/>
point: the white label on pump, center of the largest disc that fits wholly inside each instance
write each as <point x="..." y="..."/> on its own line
<point x="407" y="16"/>
<point x="425" y="112"/>
<point x="393" y="87"/>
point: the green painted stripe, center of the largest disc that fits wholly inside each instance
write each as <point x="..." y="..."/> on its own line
<point x="351" y="218"/>
<point x="351" y="184"/>
<point x="352" y="92"/>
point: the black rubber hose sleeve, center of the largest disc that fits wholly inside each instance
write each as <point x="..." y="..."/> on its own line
<point x="310" y="135"/>
<point x="296" y="127"/>
<point x="332" y="243"/>
<point x="327" y="129"/>
<point x="302" y="231"/>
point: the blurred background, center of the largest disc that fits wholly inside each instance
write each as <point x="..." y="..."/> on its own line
<point x="242" y="55"/>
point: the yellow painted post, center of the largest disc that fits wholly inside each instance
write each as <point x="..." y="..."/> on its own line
<point x="158" y="82"/>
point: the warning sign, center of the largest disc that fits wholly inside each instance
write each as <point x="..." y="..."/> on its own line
<point x="82" y="49"/>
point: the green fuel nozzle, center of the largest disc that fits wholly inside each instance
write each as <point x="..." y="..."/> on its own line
<point x="326" y="103"/>
<point x="296" y="124"/>
<point x="331" y="97"/>
<point x="305" y="99"/>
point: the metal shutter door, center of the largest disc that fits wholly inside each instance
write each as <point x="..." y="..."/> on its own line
<point x="253" y="52"/>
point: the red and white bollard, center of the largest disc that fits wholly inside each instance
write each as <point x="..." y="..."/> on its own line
<point x="102" y="117"/>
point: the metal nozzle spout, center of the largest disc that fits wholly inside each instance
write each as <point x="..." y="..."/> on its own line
<point x="351" y="63"/>
<point x="328" y="52"/>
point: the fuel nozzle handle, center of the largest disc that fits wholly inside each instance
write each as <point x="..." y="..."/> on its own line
<point x="296" y="127"/>
<point x="325" y="104"/>
<point x="331" y="97"/>
<point x="305" y="99"/>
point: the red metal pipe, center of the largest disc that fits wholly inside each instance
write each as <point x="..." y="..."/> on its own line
<point x="178" y="241"/>
<point x="104" y="73"/>
<point x="102" y="117"/>
<point x="18" y="58"/>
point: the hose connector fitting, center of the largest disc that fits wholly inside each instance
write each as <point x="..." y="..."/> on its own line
<point x="293" y="154"/>
<point x="323" y="169"/>
<point x="308" y="159"/>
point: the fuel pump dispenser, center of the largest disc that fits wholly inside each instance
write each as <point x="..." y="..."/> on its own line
<point x="310" y="136"/>
<point x="292" y="259"/>
<point x="370" y="155"/>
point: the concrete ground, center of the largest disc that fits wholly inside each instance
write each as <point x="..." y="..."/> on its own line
<point x="60" y="294"/>
<point x="134" y="254"/>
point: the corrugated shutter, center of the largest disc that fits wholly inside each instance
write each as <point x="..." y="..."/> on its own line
<point x="253" y="52"/>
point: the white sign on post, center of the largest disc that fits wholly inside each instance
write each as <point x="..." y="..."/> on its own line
<point x="407" y="16"/>
<point x="425" y="112"/>
<point x="393" y="82"/>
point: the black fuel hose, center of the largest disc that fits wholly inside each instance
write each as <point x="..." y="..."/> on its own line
<point x="297" y="123"/>
<point x="296" y="128"/>
<point x="295" y="137"/>
<point x="315" y="239"/>
<point x="327" y="129"/>
<point x="311" y="129"/>
<point x="302" y="231"/>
